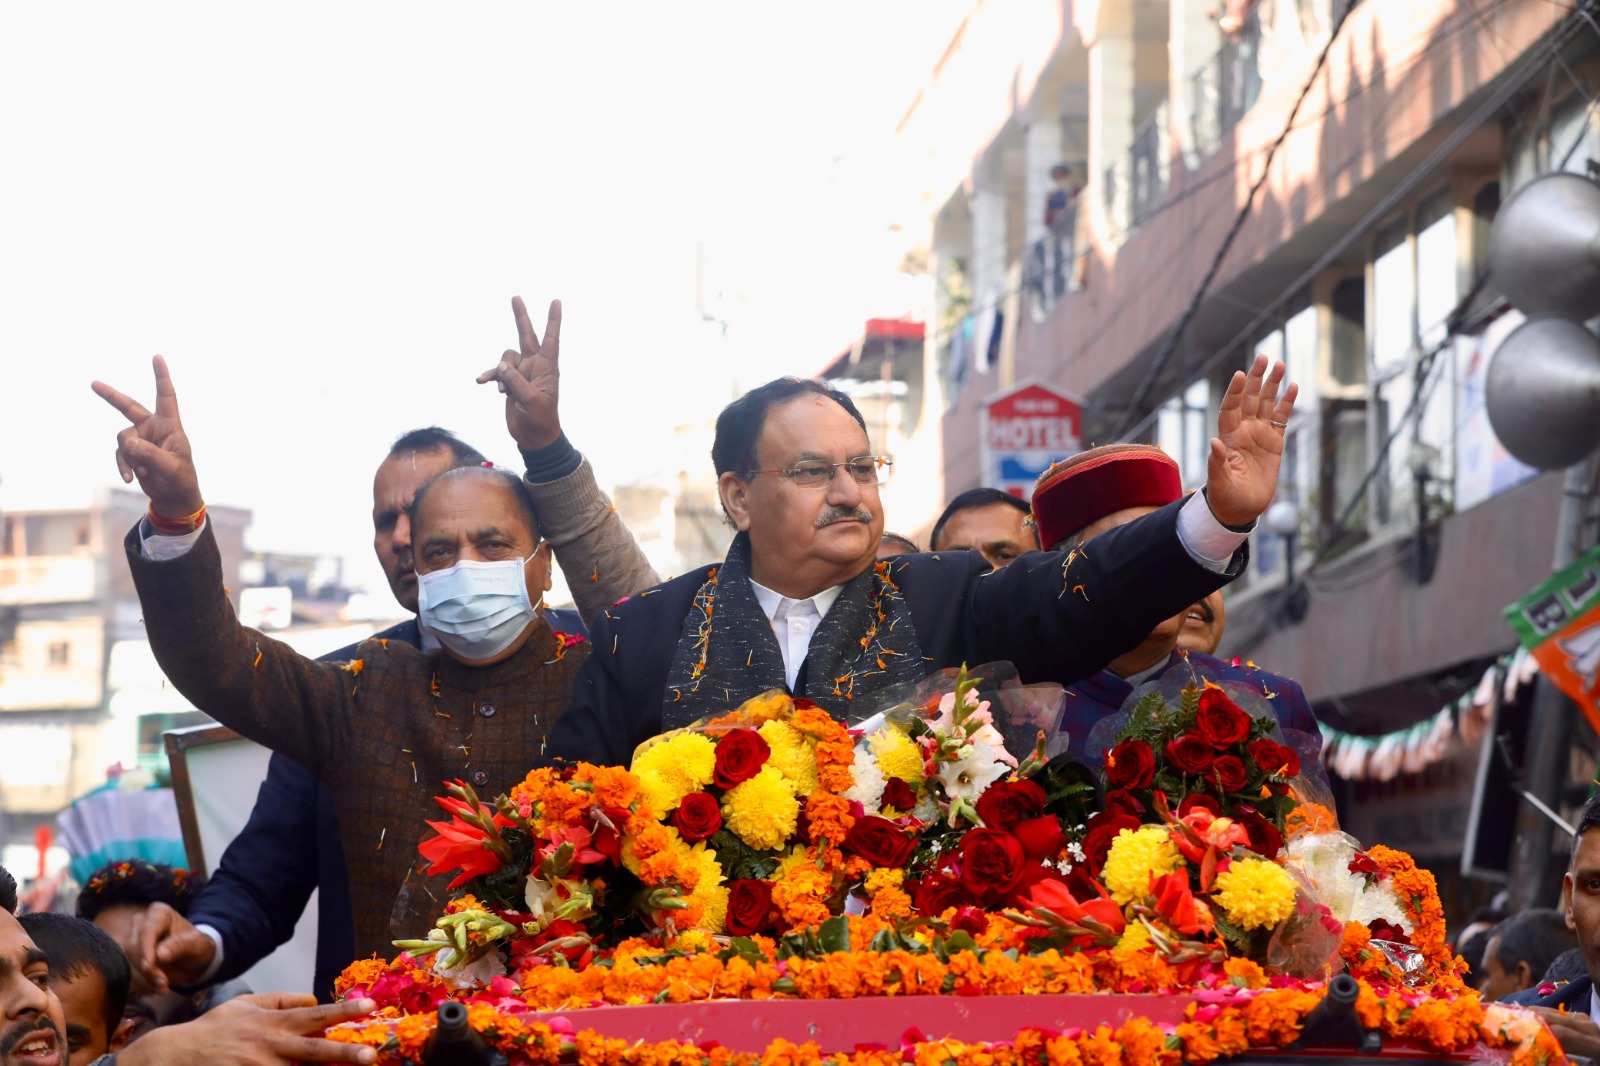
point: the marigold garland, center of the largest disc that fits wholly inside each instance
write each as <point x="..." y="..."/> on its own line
<point x="1244" y="1021"/>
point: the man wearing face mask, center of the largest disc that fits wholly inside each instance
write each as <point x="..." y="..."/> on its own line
<point x="292" y="845"/>
<point x="382" y="730"/>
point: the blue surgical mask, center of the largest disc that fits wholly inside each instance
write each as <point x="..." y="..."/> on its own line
<point x="477" y="609"/>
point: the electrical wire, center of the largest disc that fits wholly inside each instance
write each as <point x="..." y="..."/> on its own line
<point x="1531" y="63"/>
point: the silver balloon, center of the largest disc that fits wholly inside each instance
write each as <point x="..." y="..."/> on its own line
<point x="1544" y="248"/>
<point x="1543" y="392"/>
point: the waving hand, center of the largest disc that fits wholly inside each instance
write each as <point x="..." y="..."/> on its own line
<point x="1242" y="471"/>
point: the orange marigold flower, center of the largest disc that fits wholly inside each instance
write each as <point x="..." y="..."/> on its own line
<point x="359" y="974"/>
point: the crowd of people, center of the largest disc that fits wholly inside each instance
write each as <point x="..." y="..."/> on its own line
<point x="1111" y="579"/>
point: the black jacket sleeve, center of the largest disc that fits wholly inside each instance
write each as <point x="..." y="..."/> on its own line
<point x="267" y="874"/>
<point x="1059" y="616"/>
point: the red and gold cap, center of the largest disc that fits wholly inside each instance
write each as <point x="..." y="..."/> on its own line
<point x="1079" y="491"/>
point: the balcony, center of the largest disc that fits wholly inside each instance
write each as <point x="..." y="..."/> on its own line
<point x="34" y="579"/>
<point x="1226" y="87"/>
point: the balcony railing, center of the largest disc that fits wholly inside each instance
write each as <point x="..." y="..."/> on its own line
<point x="1226" y="87"/>
<point x="1051" y="259"/>
<point x="1149" y="164"/>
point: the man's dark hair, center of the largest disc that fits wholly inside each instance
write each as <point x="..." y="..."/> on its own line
<point x="1535" y="936"/>
<point x="900" y="539"/>
<point x="76" y="946"/>
<point x="434" y="439"/>
<point x="740" y="423"/>
<point x="971" y="500"/>
<point x="512" y="483"/>
<point x="1588" y="818"/>
<point x="138" y="883"/>
<point x="1568" y="966"/>
<point x="8" y="891"/>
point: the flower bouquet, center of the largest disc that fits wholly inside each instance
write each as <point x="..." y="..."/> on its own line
<point x="772" y="854"/>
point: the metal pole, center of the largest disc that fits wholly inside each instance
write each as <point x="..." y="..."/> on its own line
<point x="1537" y="882"/>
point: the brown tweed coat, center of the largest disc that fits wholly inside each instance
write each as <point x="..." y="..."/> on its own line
<point x="383" y="734"/>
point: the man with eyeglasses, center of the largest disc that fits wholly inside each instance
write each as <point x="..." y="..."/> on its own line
<point x="801" y="604"/>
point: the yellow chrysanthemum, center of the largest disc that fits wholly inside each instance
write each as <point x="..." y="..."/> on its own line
<point x="1135" y="938"/>
<point x="790" y="859"/>
<point x="762" y="811"/>
<point x="1255" y="894"/>
<point x="674" y="768"/>
<point x="713" y="908"/>
<point x="898" y="756"/>
<point x="883" y="877"/>
<point x="1134" y="856"/>
<point x="693" y="940"/>
<point x="792" y="755"/>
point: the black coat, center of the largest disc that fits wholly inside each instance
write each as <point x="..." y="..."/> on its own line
<point x="1052" y="626"/>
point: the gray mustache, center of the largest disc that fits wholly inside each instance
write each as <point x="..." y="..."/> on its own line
<point x="844" y="514"/>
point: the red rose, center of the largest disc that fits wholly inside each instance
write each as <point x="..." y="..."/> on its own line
<point x="1190" y="753"/>
<point x="1221" y="721"/>
<point x="1131" y="764"/>
<point x="741" y="753"/>
<point x="1196" y="800"/>
<point x="697" y="817"/>
<point x="970" y="920"/>
<point x="749" y="906"/>
<point x="1041" y="837"/>
<point x="935" y="893"/>
<point x="1033" y="873"/>
<point x="1382" y="929"/>
<point x="899" y="795"/>
<point x="1229" y="771"/>
<point x="1265" y="838"/>
<point x="1120" y="799"/>
<point x="880" y="842"/>
<point x="991" y="862"/>
<point x="1005" y="803"/>
<point x="1273" y="758"/>
<point x="1099" y="832"/>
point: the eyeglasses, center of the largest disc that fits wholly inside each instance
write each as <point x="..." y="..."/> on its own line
<point x="814" y="473"/>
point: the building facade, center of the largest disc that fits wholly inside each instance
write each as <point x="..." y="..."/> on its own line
<point x="1128" y="199"/>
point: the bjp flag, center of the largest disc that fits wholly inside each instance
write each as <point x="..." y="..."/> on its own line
<point x="1559" y="623"/>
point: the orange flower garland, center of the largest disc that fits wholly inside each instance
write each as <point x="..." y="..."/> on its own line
<point x="1419" y="895"/>
<point x="1268" y="1019"/>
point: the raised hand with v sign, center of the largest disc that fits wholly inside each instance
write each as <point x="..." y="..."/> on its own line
<point x="154" y="448"/>
<point x="531" y="379"/>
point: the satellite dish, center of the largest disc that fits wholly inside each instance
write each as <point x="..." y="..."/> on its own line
<point x="1544" y="247"/>
<point x="1543" y="392"/>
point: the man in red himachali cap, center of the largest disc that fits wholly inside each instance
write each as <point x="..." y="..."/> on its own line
<point x="1100" y="489"/>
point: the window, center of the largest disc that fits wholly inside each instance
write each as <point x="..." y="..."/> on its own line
<point x="1183" y="431"/>
<point x="60" y="653"/>
<point x="1415" y="286"/>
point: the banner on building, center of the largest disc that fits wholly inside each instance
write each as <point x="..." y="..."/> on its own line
<point x="1025" y="429"/>
<point x="1559" y="623"/>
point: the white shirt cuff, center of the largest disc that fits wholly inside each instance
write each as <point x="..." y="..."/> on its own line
<point x="216" y="960"/>
<point x="1208" y="542"/>
<point x="160" y="547"/>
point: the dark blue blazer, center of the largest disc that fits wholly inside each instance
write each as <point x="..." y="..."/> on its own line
<point x="1027" y="614"/>
<point x="289" y="847"/>
<point x="1574" y="995"/>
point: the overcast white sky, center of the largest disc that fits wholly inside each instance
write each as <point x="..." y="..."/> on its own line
<point x="319" y="212"/>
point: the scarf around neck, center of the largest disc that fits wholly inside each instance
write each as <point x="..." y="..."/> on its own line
<point x="727" y="652"/>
